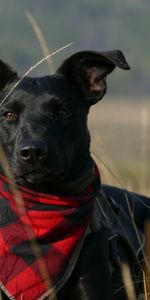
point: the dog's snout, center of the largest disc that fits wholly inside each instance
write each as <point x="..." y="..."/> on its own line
<point x="32" y="154"/>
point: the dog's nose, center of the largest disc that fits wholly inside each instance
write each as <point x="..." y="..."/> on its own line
<point x="32" y="153"/>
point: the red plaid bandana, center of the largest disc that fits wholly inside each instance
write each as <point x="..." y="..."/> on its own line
<point x="59" y="225"/>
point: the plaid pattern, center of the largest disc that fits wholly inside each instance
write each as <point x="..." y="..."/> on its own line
<point x="59" y="225"/>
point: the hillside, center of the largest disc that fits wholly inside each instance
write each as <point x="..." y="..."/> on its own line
<point x="96" y="24"/>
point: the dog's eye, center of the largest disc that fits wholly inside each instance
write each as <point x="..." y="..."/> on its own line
<point x="61" y="114"/>
<point x="9" y="115"/>
<point x="64" y="113"/>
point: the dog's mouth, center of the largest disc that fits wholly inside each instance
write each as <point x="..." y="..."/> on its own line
<point x="35" y="177"/>
<point x="45" y="182"/>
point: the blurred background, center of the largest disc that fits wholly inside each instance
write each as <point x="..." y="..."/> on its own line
<point x="120" y="123"/>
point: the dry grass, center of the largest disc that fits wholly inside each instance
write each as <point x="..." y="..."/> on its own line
<point x="120" y="132"/>
<point x="127" y="279"/>
<point x="42" y="41"/>
<point x="32" y="68"/>
<point x="120" y="137"/>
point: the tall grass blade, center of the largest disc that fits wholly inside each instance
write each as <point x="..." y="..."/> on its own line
<point x="147" y="254"/>
<point x="32" y="68"/>
<point x="128" y="283"/>
<point x="42" y="40"/>
<point x="144" y="149"/>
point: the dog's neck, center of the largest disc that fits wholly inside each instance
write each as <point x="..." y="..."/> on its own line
<point x="59" y="224"/>
<point x="72" y="187"/>
<point x="75" y="185"/>
<point x="78" y="183"/>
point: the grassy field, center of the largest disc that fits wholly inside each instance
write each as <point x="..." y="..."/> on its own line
<point x="120" y="132"/>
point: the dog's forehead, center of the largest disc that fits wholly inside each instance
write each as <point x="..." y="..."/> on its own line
<point x="34" y="88"/>
<point x="41" y="94"/>
<point x="45" y="85"/>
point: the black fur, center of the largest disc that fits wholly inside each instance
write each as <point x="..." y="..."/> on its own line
<point x="44" y="133"/>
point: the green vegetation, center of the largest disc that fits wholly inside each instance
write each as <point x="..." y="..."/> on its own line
<point x="97" y="24"/>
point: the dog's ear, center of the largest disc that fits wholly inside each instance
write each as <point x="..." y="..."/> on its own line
<point x="86" y="71"/>
<point x="7" y="74"/>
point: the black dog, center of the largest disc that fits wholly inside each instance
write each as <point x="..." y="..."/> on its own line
<point x="44" y="134"/>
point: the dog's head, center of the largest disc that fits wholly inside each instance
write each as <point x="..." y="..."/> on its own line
<point x="43" y="122"/>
